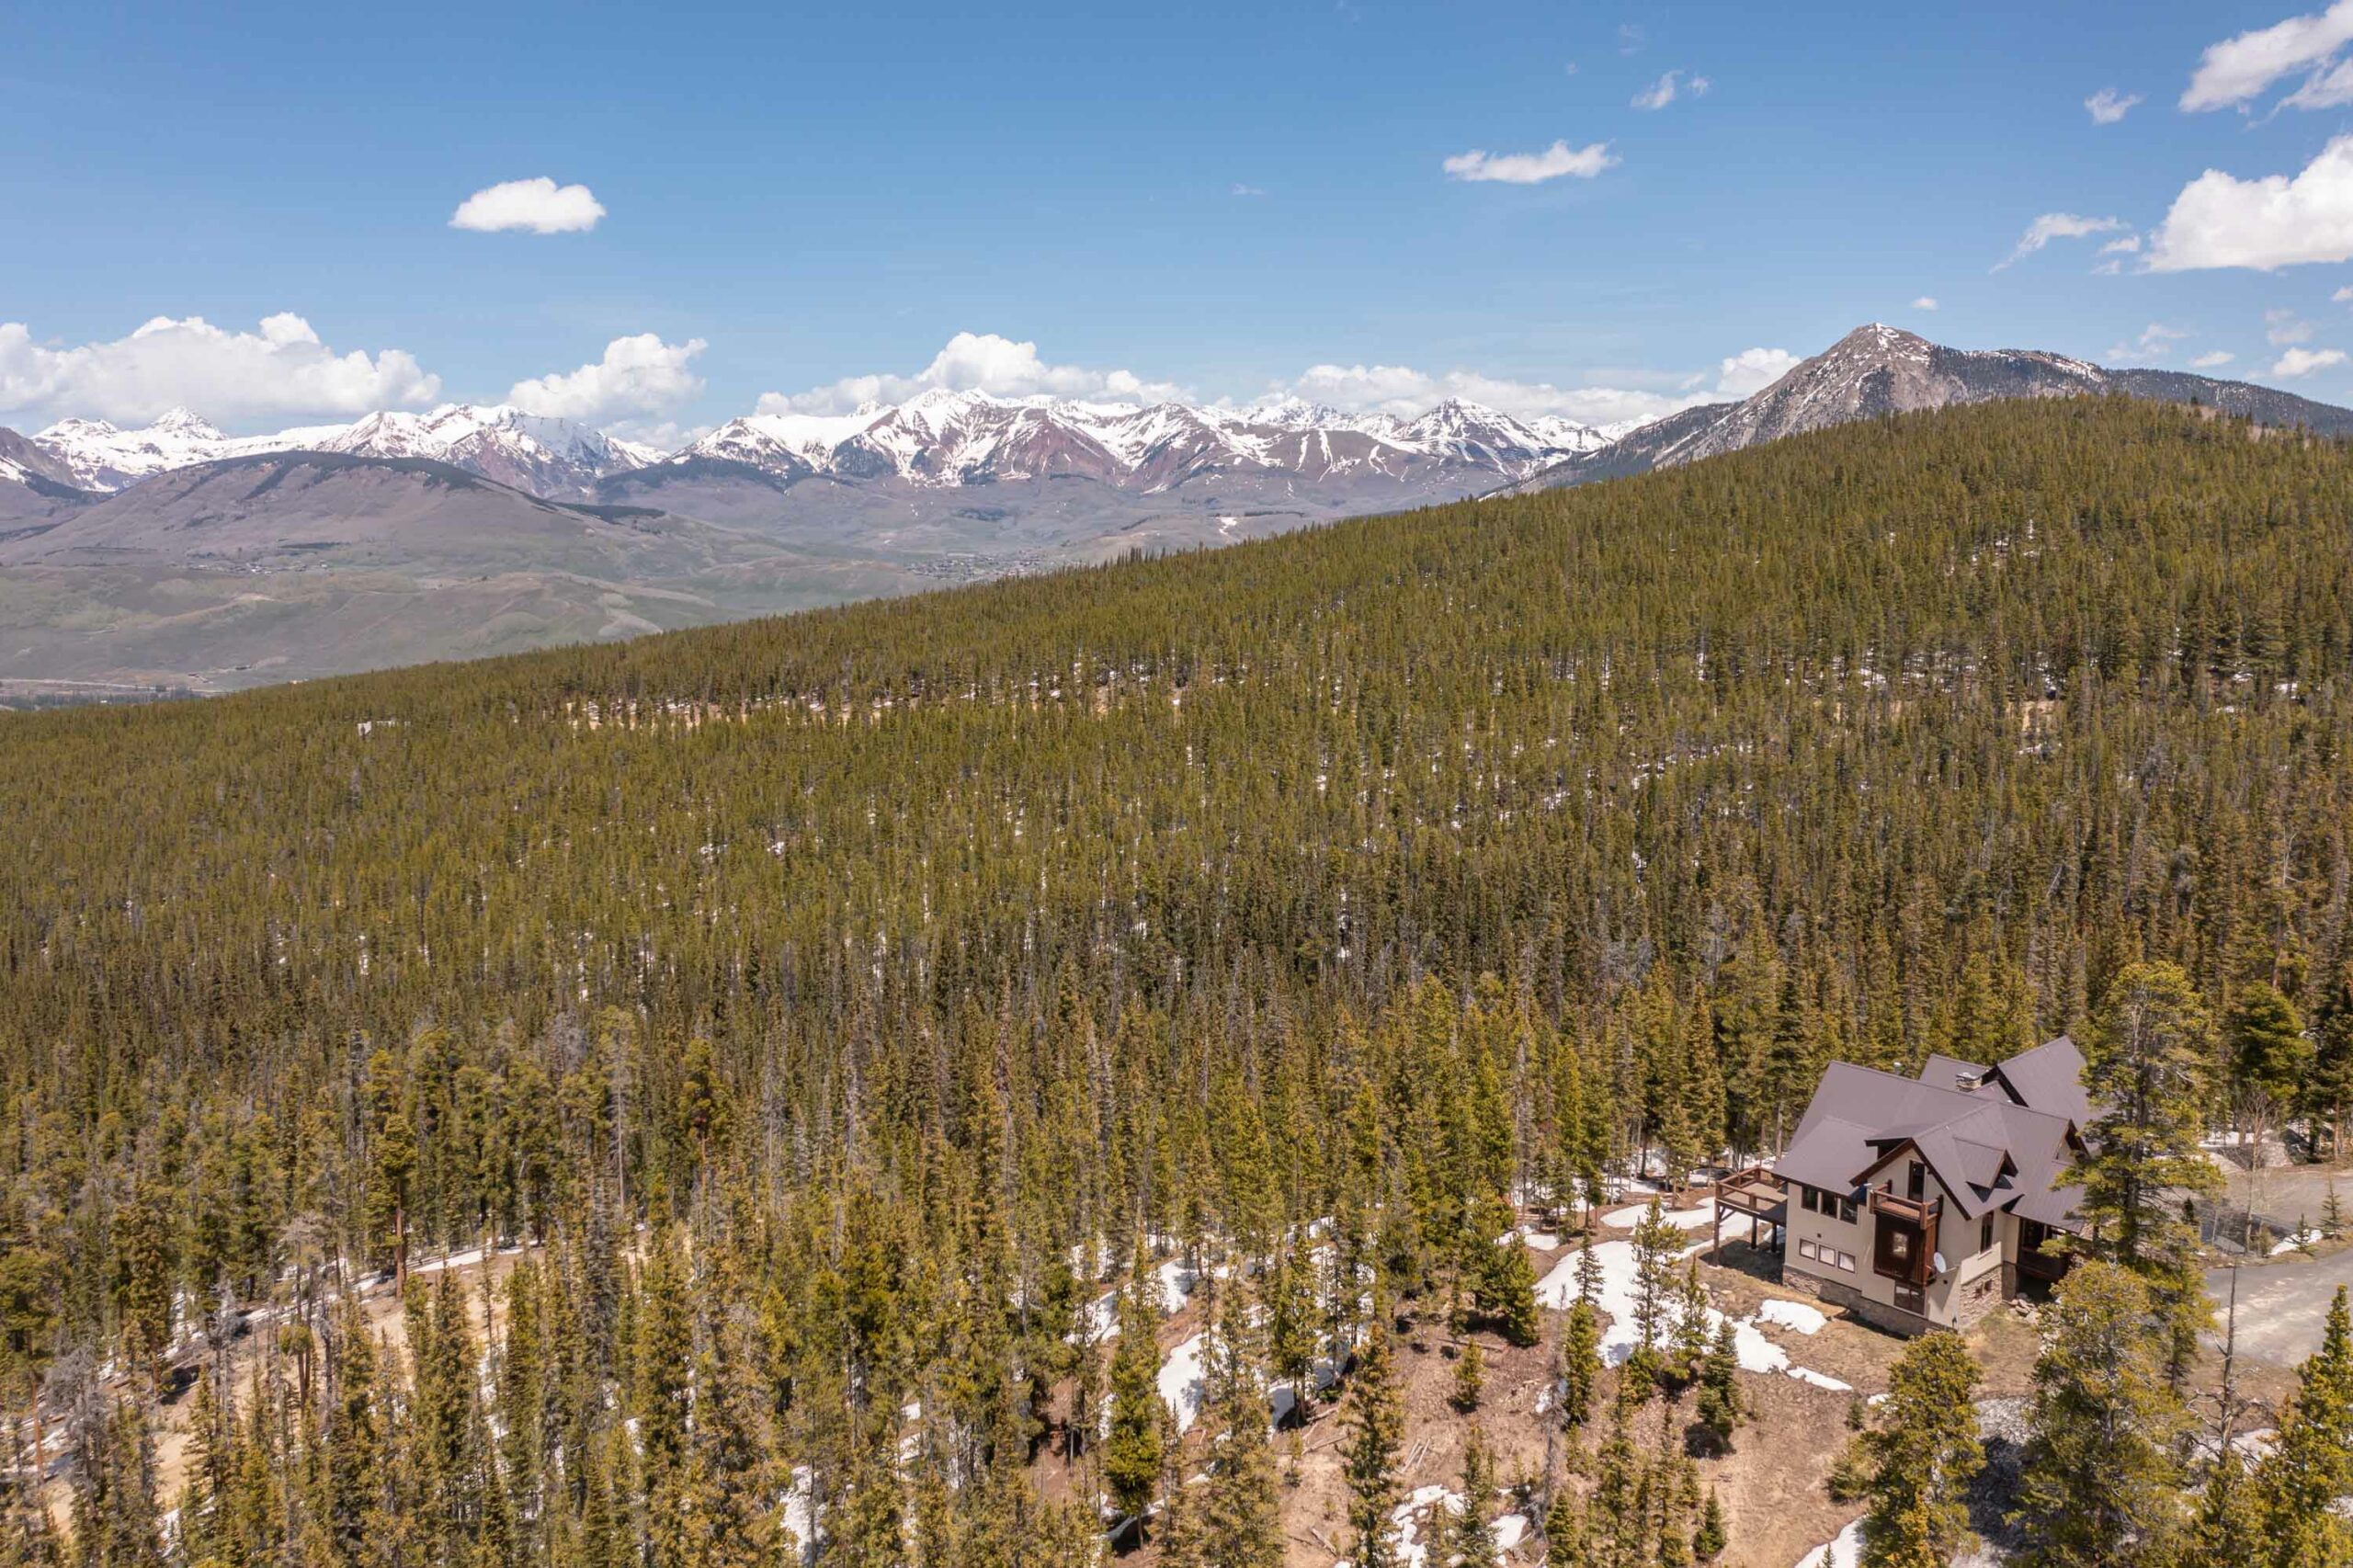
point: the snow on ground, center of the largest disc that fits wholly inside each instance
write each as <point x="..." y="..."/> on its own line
<point x="2296" y="1243"/>
<point x="1510" y="1530"/>
<point x="1795" y="1316"/>
<point x="1542" y="1240"/>
<point x="1176" y="1284"/>
<point x="1281" y="1397"/>
<point x="800" y="1515"/>
<point x="1845" y="1549"/>
<point x="1180" y="1381"/>
<point x="1688" y="1219"/>
<point x="1558" y="1290"/>
<point x="1426" y="1501"/>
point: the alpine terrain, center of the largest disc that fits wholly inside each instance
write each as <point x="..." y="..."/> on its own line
<point x="179" y="557"/>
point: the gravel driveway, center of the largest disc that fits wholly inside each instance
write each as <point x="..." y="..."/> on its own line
<point x="2281" y="1305"/>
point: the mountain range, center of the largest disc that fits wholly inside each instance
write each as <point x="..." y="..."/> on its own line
<point x="181" y="556"/>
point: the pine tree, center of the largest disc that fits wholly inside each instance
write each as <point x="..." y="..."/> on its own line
<point x="1580" y="1364"/>
<point x="2297" y="1485"/>
<point x="2226" y="1531"/>
<point x="1241" y="1515"/>
<point x="1132" y="1455"/>
<point x="1707" y="1542"/>
<point x="1376" y="1432"/>
<point x="1473" y="1536"/>
<point x="1565" y="1542"/>
<point x="2146" y="1068"/>
<point x="1657" y="1290"/>
<point x="1921" y="1457"/>
<point x="1722" y="1407"/>
<point x="2100" y="1483"/>
<point x="2270" y="1063"/>
<point x="1470" y="1376"/>
<point x="1290" y="1329"/>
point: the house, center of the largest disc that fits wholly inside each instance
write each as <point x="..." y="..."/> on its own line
<point x="1919" y="1203"/>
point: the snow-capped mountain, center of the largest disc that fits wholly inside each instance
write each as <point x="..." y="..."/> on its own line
<point x="100" y="456"/>
<point x="543" y="455"/>
<point x="1879" y="369"/>
<point x="945" y="439"/>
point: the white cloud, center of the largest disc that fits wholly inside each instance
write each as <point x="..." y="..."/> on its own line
<point x="2127" y="244"/>
<point x="2238" y="70"/>
<point x="1532" y="169"/>
<point x="1665" y="91"/>
<point x="975" y="362"/>
<point x="637" y="375"/>
<point x="2283" y="327"/>
<point x="2275" y="221"/>
<point x="1240" y="190"/>
<point x="2304" y="362"/>
<point x="539" y="205"/>
<point x="1753" y="370"/>
<point x="2057" y="226"/>
<point x="1405" y="392"/>
<point x="280" y="370"/>
<point x="984" y="362"/>
<point x="2213" y="361"/>
<point x="1925" y="302"/>
<point x="2156" y="340"/>
<point x="2343" y="295"/>
<point x="2108" y="106"/>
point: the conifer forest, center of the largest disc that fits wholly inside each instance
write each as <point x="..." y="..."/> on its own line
<point x="1084" y="1068"/>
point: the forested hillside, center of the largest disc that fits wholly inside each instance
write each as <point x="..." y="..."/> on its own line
<point x="837" y="1007"/>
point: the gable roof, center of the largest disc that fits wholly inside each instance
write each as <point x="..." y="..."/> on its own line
<point x="2002" y="1143"/>
<point x="2049" y="1078"/>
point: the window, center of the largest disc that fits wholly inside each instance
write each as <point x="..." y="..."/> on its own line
<point x="1911" y="1299"/>
<point x="1915" y="1182"/>
<point x="1807" y="1249"/>
<point x="1985" y="1233"/>
<point x="1900" y="1243"/>
<point x="1847" y="1210"/>
<point x="1847" y="1261"/>
<point x="1811" y="1199"/>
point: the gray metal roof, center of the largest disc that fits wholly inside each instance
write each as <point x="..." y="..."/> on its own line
<point x="1989" y="1149"/>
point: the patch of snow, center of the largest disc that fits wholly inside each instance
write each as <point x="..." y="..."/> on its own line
<point x="1796" y="1316"/>
<point x="1510" y="1530"/>
<point x="1843" y="1551"/>
<point x="1180" y="1381"/>
<point x="1558" y="1290"/>
<point x="1684" y="1219"/>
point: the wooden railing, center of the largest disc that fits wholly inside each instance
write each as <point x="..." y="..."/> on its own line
<point x="1909" y="1210"/>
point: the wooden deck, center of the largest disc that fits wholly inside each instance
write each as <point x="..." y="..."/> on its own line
<point x="1756" y="1192"/>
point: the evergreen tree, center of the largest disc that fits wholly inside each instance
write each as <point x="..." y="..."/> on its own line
<point x="1241" y="1520"/>
<point x="2145" y="1068"/>
<point x="1707" y="1542"/>
<point x="1470" y="1376"/>
<point x="1133" y="1453"/>
<point x="1721" y="1406"/>
<point x="1580" y="1363"/>
<point x="2099" y="1484"/>
<point x="1921" y="1457"/>
<point x="1473" y="1536"/>
<point x="2299" y="1484"/>
<point x="1376" y="1432"/>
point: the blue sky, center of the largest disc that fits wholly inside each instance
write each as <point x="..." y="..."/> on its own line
<point x="1211" y="198"/>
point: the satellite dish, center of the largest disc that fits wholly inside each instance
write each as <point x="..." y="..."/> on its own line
<point x="1939" y="1260"/>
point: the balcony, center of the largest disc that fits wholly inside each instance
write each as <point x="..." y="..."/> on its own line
<point x="1905" y="1238"/>
<point x="1912" y="1211"/>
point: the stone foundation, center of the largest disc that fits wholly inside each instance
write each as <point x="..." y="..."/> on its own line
<point x="1879" y="1314"/>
